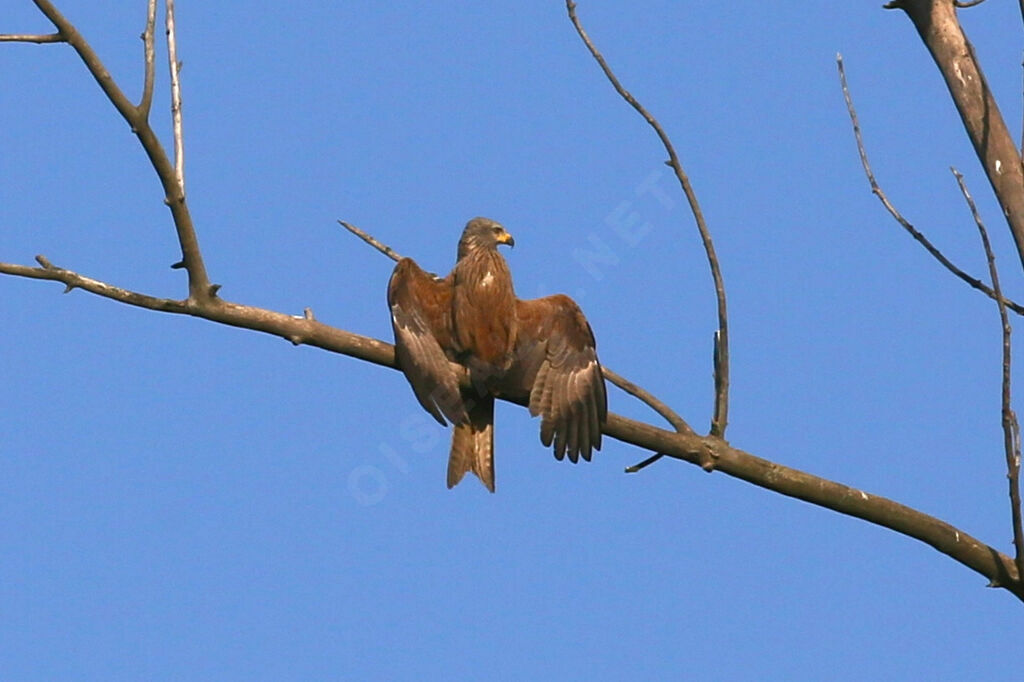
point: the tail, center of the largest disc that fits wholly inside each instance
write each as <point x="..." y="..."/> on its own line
<point x="473" y="444"/>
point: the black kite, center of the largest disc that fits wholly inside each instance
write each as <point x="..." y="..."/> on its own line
<point x="542" y="349"/>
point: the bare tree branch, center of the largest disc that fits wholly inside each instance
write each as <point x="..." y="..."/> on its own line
<point x="302" y="329"/>
<point x="149" y="54"/>
<point x="911" y="230"/>
<point x="721" y="411"/>
<point x="175" y="66"/>
<point x="198" y="281"/>
<point x="997" y="567"/>
<point x="28" y="38"/>
<point x="937" y="24"/>
<point x="1011" y="429"/>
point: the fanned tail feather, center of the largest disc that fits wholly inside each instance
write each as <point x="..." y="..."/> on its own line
<point x="473" y="444"/>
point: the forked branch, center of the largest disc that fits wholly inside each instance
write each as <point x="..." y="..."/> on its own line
<point x="880" y="193"/>
<point x="137" y="117"/>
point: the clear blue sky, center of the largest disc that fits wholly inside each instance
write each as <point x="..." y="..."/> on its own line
<point x="182" y="500"/>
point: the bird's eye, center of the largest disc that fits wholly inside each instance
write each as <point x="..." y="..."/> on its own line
<point x="496" y="230"/>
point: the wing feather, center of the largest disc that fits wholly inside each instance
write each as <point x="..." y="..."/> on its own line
<point x="557" y="368"/>
<point x="421" y="321"/>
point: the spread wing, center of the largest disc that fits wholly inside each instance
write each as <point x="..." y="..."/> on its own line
<point x="556" y="364"/>
<point x="421" y="318"/>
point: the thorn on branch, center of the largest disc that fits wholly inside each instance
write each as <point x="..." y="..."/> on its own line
<point x="44" y="261"/>
<point x="68" y="288"/>
<point x="178" y="266"/>
<point x="214" y="288"/>
<point x="308" y="314"/>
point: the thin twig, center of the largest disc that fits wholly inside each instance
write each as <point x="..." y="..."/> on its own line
<point x="149" y="58"/>
<point x="369" y="239"/>
<point x="29" y="38"/>
<point x="646" y="397"/>
<point x="911" y="230"/>
<point x="721" y="412"/>
<point x="639" y="466"/>
<point x="964" y="4"/>
<point x="175" y="65"/>
<point x="1011" y="428"/>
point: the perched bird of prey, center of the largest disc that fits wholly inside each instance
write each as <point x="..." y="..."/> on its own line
<point x="464" y="339"/>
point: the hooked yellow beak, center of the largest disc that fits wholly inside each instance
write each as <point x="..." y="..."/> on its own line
<point x="506" y="238"/>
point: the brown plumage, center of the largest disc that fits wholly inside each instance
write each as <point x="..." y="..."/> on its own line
<point x="421" y="319"/>
<point x="542" y="350"/>
<point x="557" y="366"/>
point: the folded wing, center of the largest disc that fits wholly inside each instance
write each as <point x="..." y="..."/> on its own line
<point x="421" y="318"/>
<point x="556" y="365"/>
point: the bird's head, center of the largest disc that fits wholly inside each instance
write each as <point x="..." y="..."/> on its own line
<point x="483" y="233"/>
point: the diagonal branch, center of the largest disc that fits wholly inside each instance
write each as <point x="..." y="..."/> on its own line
<point x="645" y="396"/>
<point x="372" y="241"/>
<point x="940" y="31"/>
<point x="949" y="540"/>
<point x="1011" y="428"/>
<point x="721" y="365"/>
<point x="198" y="281"/>
<point x="911" y="230"/>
